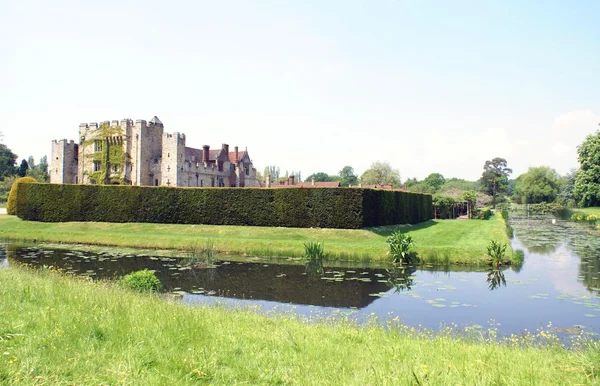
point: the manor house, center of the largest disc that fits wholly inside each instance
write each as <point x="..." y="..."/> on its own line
<point x="141" y="153"/>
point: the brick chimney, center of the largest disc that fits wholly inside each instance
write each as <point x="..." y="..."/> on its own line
<point x="268" y="181"/>
<point x="226" y="148"/>
<point x="292" y="177"/>
<point x="205" y="150"/>
<point x="237" y="156"/>
<point x="312" y="181"/>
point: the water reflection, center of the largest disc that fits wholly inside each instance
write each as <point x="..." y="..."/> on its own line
<point x="495" y="279"/>
<point x="401" y="277"/>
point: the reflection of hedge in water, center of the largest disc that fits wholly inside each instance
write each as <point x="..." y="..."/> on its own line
<point x="274" y="282"/>
<point x="294" y="207"/>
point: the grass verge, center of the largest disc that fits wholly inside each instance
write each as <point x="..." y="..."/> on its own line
<point x="63" y="330"/>
<point x="437" y="242"/>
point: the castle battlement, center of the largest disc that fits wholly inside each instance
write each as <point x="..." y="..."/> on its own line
<point x="153" y="156"/>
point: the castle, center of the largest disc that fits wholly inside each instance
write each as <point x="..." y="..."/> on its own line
<point x="141" y="153"/>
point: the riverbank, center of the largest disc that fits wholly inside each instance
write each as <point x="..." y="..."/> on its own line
<point x="587" y="211"/>
<point x="437" y="241"/>
<point x="64" y="330"/>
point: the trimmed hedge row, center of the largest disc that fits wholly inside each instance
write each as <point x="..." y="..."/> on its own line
<point x="293" y="207"/>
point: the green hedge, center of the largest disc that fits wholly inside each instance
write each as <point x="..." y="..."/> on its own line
<point x="292" y="207"/>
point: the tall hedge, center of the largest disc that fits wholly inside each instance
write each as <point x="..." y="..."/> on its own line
<point x="292" y="207"/>
<point x="11" y="203"/>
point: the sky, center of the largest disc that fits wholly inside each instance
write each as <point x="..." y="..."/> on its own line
<point x="428" y="86"/>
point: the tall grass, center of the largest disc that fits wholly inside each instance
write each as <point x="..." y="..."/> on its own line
<point x="57" y="330"/>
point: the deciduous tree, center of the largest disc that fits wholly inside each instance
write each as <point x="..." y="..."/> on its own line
<point x="539" y="184"/>
<point x="587" y="184"/>
<point x="347" y="176"/>
<point x="381" y="173"/>
<point x="8" y="161"/>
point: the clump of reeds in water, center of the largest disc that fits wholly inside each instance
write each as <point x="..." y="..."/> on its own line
<point x="314" y="252"/>
<point x="201" y="256"/>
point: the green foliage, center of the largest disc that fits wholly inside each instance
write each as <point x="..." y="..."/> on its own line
<point x="314" y="252"/>
<point x="400" y="244"/>
<point x="545" y="208"/>
<point x="381" y="173"/>
<point x="293" y="207"/>
<point x="482" y="214"/>
<point x="518" y="257"/>
<point x="587" y="184"/>
<point x="142" y="281"/>
<point x="497" y="252"/>
<point x="11" y="203"/>
<point x="322" y="177"/>
<point x="494" y="179"/>
<point x="8" y="161"/>
<point x="539" y="184"/>
<point x="446" y="207"/>
<point x="112" y="156"/>
<point x="272" y="171"/>
<point x="566" y="195"/>
<point x="22" y="170"/>
<point x="347" y="176"/>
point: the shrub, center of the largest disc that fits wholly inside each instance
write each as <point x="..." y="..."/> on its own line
<point x="314" y="253"/>
<point x="291" y="207"/>
<point x="11" y="203"/>
<point x="142" y="281"/>
<point x="482" y="214"/>
<point x="400" y="245"/>
<point x="504" y="214"/>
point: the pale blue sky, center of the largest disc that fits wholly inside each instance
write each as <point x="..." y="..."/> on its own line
<point x="436" y="86"/>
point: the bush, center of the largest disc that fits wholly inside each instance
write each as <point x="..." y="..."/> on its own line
<point x="142" y="281"/>
<point x="292" y="207"/>
<point x="482" y="214"/>
<point x="11" y="203"/>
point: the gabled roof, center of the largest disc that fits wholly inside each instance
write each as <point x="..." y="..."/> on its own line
<point x="232" y="156"/>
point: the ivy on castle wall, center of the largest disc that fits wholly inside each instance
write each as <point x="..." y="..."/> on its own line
<point x="112" y="155"/>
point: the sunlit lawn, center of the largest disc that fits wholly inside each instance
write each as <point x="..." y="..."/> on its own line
<point x="437" y="241"/>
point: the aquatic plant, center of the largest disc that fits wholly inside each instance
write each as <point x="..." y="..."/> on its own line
<point x="142" y="281"/>
<point x="497" y="252"/>
<point x="201" y="256"/>
<point x="314" y="253"/>
<point x="400" y="244"/>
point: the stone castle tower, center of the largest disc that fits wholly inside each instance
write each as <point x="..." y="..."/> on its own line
<point x="141" y="153"/>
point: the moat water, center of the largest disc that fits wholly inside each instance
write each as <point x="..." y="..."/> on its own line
<point x="559" y="283"/>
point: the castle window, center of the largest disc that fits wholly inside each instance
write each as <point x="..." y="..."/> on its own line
<point x="155" y="182"/>
<point x="246" y="169"/>
<point x="97" y="166"/>
<point x="115" y="168"/>
<point x="98" y="145"/>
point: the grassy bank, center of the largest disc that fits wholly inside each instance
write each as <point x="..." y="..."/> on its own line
<point x="439" y="241"/>
<point x="587" y="211"/>
<point x="62" y="330"/>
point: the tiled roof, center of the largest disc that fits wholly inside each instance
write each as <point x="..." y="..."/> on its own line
<point x="232" y="156"/>
<point x="332" y="184"/>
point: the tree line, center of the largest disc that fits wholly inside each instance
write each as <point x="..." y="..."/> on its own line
<point x="10" y="170"/>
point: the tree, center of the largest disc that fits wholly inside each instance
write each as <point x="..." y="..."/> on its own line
<point x="566" y="195"/>
<point x="272" y="171"/>
<point x="433" y="182"/>
<point x="381" y="173"/>
<point x="347" y="176"/>
<point x="539" y="184"/>
<point x="8" y="160"/>
<point x="494" y="179"/>
<point x="22" y="172"/>
<point x="322" y="177"/>
<point x="587" y="184"/>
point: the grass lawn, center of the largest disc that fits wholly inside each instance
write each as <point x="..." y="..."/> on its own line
<point x="439" y="241"/>
<point x="63" y="330"/>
